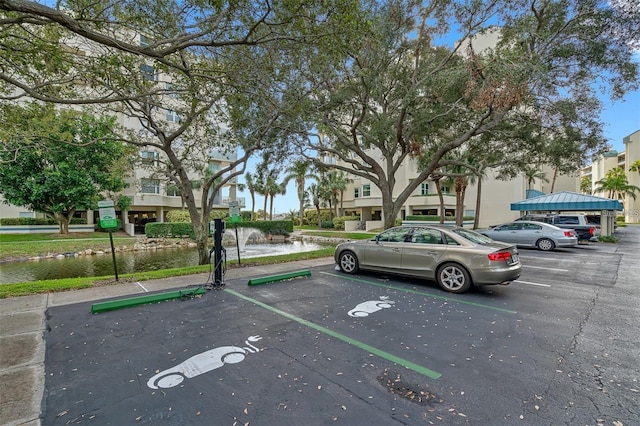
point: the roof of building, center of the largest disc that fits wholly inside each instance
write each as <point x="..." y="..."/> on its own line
<point x="567" y="201"/>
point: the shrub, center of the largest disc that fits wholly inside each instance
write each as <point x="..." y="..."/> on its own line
<point x="168" y="229"/>
<point x="178" y="216"/>
<point x="327" y="224"/>
<point x="338" y="222"/>
<point x="15" y="221"/>
<point x="311" y="217"/>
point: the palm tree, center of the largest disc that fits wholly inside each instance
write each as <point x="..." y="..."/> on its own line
<point x="270" y="190"/>
<point x="299" y="171"/>
<point x="315" y="192"/>
<point x="585" y="185"/>
<point x="251" y="187"/>
<point x="531" y="173"/>
<point x="617" y="186"/>
<point x="635" y="167"/>
<point x="337" y="182"/>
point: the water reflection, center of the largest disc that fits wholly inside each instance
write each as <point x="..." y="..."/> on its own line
<point x="134" y="261"/>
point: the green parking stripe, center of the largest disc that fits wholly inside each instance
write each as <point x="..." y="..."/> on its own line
<point x="422" y="293"/>
<point x="382" y="354"/>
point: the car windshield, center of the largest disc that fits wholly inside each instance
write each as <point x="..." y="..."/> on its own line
<point x="472" y="236"/>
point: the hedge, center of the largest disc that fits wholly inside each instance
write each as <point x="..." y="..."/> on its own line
<point x="17" y="221"/>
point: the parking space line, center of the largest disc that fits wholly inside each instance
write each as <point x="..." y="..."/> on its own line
<point x="545" y="268"/>
<point x="382" y="354"/>
<point x="423" y="293"/>
<point x="141" y="286"/>
<point x="530" y="283"/>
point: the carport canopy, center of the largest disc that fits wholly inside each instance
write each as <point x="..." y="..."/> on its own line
<point x="572" y="201"/>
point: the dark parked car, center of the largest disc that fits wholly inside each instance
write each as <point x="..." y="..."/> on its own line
<point x="532" y="234"/>
<point x="456" y="258"/>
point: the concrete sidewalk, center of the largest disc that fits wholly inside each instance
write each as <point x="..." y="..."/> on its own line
<point x="23" y="323"/>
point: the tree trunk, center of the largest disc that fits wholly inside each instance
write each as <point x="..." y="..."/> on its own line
<point x="201" y="236"/>
<point x="476" y="218"/>
<point x="319" y="217"/>
<point x="271" y="207"/>
<point x="441" y="199"/>
<point x="264" y="214"/>
<point x="253" y="205"/>
<point x="301" y="199"/>
<point x="553" y="181"/>
<point x="63" y="223"/>
<point x="389" y="212"/>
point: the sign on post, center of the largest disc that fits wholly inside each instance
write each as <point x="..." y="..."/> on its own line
<point x="109" y="222"/>
<point x="234" y="212"/>
<point x="107" y="212"/>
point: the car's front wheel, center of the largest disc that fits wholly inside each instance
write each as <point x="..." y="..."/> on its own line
<point x="453" y="278"/>
<point x="545" y="244"/>
<point x="348" y="262"/>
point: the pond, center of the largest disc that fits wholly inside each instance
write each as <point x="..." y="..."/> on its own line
<point x="136" y="261"/>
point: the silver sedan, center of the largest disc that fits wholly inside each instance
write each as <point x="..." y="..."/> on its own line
<point x="525" y="233"/>
<point x="456" y="258"/>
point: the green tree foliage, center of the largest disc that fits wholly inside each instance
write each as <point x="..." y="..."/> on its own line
<point x="299" y="171"/>
<point x="225" y="72"/>
<point x="585" y="185"/>
<point x="616" y="185"/>
<point x="59" y="162"/>
<point x="402" y="96"/>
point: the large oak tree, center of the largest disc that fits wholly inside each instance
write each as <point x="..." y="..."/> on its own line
<point x="522" y="75"/>
<point x="226" y="69"/>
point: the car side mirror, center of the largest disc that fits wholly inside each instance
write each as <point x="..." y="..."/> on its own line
<point x="377" y="239"/>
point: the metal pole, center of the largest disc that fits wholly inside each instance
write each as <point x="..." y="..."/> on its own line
<point x="113" y="254"/>
<point x="218" y="228"/>
<point x="237" y="244"/>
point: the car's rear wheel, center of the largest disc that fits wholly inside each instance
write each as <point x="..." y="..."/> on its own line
<point x="348" y="262"/>
<point x="453" y="278"/>
<point x="545" y="244"/>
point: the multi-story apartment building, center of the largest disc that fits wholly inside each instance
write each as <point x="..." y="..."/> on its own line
<point x="152" y="196"/>
<point x="362" y="198"/>
<point x="601" y="165"/>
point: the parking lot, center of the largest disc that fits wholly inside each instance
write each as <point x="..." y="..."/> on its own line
<point x="558" y="346"/>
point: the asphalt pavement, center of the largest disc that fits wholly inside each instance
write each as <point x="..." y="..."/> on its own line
<point x="596" y="341"/>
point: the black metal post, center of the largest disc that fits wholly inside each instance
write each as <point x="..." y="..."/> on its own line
<point x="113" y="254"/>
<point x="237" y="244"/>
<point x="218" y="229"/>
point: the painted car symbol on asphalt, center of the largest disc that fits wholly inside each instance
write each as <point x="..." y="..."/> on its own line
<point x="365" y="308"/>
<point x="202" y="363"/>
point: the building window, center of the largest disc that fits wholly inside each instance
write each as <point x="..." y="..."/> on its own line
<point x="172" y="116"/>
<point x="150" y="186"/>
<point x="356" y="192"/>
<point x="424" y="188"/>
<point x="148" y="73"/>
<point x="149" y="157"/>
<point x="171" y="90"/>
<point x="144" y="40"/>
<point x="366" y="190"/>
<point x="444" y="189"/>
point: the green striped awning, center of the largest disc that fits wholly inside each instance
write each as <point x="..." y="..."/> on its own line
<point x="567" y="201"/>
